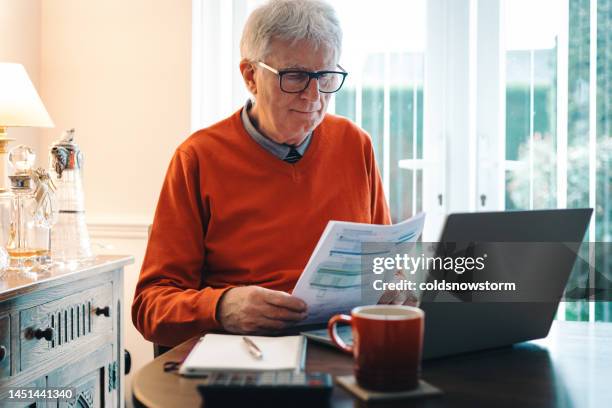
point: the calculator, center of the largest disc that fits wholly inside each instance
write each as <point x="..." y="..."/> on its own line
<point x="276" y="388"/>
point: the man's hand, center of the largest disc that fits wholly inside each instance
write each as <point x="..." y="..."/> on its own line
<point x="399" y="297"/>
<point x="253" y="309"/>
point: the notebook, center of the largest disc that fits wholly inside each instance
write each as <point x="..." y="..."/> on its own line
<point x="226" y="352"/>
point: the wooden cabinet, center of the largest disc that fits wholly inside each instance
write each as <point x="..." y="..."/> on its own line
<point x="5" y="346"/>
<point x="63" y="329"/>
<point x="37" y="383"/>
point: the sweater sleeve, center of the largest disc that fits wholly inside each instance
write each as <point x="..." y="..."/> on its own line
<point x="170" y="305"/>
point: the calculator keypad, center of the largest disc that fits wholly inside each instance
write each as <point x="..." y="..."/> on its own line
<point x="268" y="378"/>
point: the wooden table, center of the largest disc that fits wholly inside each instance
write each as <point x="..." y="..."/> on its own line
<point x="572" y="367"/>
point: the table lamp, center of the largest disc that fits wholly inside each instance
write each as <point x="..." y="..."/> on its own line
<point x="20" y="105"/>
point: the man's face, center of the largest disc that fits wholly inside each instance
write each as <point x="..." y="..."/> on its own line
<point x="289" y="117"/>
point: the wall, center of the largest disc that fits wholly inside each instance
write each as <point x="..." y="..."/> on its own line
<point x="120" y="73"/>
<point x="20" y="42"/>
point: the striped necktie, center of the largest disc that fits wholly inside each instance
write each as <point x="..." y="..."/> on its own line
<point x="293" y="156"/>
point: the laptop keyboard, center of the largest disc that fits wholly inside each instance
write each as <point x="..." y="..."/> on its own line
<point x="322" y="336"/>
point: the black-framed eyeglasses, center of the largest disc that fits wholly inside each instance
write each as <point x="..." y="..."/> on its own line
<point x="296" y="80"/>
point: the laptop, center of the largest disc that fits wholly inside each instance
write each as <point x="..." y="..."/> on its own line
<point x="547" y="242"/>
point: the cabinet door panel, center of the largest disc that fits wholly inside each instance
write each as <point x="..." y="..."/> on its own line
<point x="87" y="391"/>
<point x="89" y="379"/>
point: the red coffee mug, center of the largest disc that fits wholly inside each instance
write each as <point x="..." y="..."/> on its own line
<point x="387" y="345"/>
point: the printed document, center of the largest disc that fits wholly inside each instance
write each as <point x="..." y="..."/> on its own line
<point x="332" y="280"/>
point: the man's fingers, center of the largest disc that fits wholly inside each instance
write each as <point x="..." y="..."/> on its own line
<point x="271" y="324"/>
<point x="280" y="313"/>
<point x="388" y="297"/>
<point x="282" y="299"/>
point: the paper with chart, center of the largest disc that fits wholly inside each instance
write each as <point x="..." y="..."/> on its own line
<point x="332" y="282"/>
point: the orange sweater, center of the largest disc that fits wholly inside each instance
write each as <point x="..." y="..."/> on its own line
<point x="230" y="214"/>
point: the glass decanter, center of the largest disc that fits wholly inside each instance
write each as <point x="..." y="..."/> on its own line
<point x="69" y="237"/>
<point x="25" y="241"/>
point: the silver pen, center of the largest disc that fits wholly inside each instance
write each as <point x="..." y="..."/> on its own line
<point x="253" y="349"/>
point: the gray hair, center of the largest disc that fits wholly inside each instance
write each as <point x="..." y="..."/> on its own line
<point x="290" y="20"/>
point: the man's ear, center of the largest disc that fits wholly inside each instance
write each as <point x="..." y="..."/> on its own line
<point x="248" y="74"/>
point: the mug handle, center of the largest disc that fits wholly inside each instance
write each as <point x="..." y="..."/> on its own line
<point x="333" y="333"/>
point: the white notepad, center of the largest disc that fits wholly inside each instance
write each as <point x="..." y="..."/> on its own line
<point x="225" y="352"/>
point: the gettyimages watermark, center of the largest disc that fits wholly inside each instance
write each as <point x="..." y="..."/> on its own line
<point x="488" y="271"/>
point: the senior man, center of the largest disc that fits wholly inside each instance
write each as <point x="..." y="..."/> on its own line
<point x="245" y="201"/>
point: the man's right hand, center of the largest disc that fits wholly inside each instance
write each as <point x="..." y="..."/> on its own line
<point x="253" y="309"/>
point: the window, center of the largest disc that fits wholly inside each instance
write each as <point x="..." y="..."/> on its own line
<point x="472" y="105"/>
<point x="384" y="91"/>
<point x="557" y="122"/>
<point x="384" y="54"/>
<point x="531" y="32"/>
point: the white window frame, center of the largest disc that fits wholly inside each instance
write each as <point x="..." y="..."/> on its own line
<point x="464" y="100"/>
<point x="218" y="90"/>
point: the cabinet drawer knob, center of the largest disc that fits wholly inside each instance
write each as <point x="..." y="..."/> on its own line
<point x="105" y="311"/>
<point x="46" y="334"/>
<point x="3" y="353"/>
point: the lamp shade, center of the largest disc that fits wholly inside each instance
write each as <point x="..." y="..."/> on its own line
<point x="20" y="104"/>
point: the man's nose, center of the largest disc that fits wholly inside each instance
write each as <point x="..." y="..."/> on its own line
<point x="312" y="90"/>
